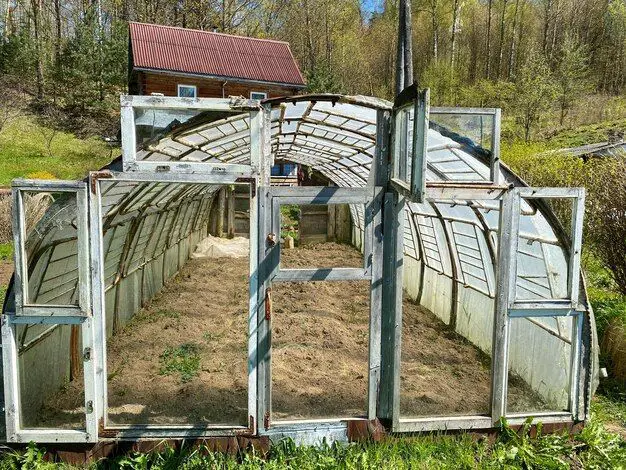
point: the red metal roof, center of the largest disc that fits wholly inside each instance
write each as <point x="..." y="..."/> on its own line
<point x="206" y="53"/>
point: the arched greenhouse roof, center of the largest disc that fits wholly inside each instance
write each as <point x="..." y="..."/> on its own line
<point x="453" y="242"/>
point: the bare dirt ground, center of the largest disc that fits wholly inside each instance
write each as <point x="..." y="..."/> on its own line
<point x="6" y="271"/>
<point x="319" y="356"/>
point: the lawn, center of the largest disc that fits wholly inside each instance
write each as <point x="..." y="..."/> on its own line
<point x="24" y="152"/>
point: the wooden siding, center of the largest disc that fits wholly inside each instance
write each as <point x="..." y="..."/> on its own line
<point x="148" y="83"/>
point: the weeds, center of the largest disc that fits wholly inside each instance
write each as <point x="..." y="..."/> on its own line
<point x="593" y="448"/>
<point x="183" y="360"/>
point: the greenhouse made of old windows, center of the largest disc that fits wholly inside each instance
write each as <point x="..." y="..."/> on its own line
<point x="406" y="282"/>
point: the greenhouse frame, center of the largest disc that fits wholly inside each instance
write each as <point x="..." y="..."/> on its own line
<point x="436" y="215"/>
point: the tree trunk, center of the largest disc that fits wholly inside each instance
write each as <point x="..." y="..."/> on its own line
<point x="36" y="10"/>
<point x="435" y="26"/>
<point x="488" y="51"/>
<point x="513" y="43"/>
<point x="309" y="35"/>
<point x="501" y="43"/>
<point x="456" y="22"/>
<point x="546" y="25"/>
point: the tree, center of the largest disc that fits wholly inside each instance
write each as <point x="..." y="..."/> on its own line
<point x="571" y="75"/>
<point x="321" y="79"/>
<point x="534" y="92"/>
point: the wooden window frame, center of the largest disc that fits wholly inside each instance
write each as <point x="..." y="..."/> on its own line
<point x="130" y="163"/>
<point x="98" y="294"/>
<point x="179" y="86"/>
<point x="29" y="314"/>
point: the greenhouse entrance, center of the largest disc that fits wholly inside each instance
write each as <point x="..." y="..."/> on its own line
<point x="413" y="269"/>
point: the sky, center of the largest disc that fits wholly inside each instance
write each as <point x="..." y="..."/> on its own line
<point x="371" y="6"/>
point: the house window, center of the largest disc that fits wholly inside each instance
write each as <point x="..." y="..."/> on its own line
<point x="257" y="95"/>
<point x="187" y="91"/>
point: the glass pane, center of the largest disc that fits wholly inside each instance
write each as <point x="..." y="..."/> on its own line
<point x="153" y="124"/>
<point x="403" y="143"/>
<point x="539" y="367"/>
<point x="542" y="259"/>
<point x="51" y="248"/>
<point x="51" y="376"/>
<point x="320" y="334"/>
<point x="478" y="128"/>
<point x="321" y="234"/>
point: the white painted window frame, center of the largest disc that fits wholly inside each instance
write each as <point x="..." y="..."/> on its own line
<point x="22" y="306"/>
<point x="130" y="162"/>
<point x="184" y="85"/>
<point x="98" y="294"/>
<point x="258" y="93"/>
<point x="372" y="197"/>
<point x="52" y="315"/>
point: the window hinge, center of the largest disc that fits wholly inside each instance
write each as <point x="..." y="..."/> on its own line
<point x="89" y="407"/>
<point x="87" y="354"/>
<point x="266" y="420"/>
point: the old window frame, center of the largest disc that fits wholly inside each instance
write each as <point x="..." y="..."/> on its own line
<point x="130" y="162"/>
<point x="503" y="312"/>
<point x="511" y="308"/>
<point x="135" y="431"/>
<point x="496" y="114"/>
<point x="22" y="306"/>
<point x="372" y="197"/>
<point x="571" y="303"/>
<point x="29" y="314"/>
<point x="179" y="86"/>
<point x="418" y="101"/>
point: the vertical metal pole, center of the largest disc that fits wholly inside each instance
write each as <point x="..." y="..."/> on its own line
<point x="129" y="138"/>
<point x="255" y="158"/>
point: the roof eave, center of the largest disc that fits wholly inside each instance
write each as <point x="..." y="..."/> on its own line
<point x="220" y="77"/>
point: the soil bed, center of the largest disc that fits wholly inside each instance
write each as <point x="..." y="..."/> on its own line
<point x="320" y="350"/>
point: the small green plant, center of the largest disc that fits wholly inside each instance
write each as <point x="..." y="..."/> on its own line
<point x="183" y="360"/>
<point x="6" y="251"/>
<point x="211" y="337"/>
<point x="168" y="314"/>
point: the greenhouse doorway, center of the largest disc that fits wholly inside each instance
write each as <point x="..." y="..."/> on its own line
<point x="179" y="345"/>
<point x="312" y="372"/>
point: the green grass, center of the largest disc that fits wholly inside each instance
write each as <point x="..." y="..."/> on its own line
<point x="6" y="251"/>
<point x="23" y="152"/>
<point x="593" y="448"/>
<point x="583" y="135"/>
<point x="183" y="360"/>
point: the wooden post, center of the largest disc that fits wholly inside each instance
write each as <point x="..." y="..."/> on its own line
<point x="231" y="213"/>
<point x="332" y="229"/>
<point x="221" y="209"/>
<point x="404" y="53"/>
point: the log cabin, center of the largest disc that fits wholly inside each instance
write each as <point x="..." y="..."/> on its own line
<point x="173" y="61"/>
